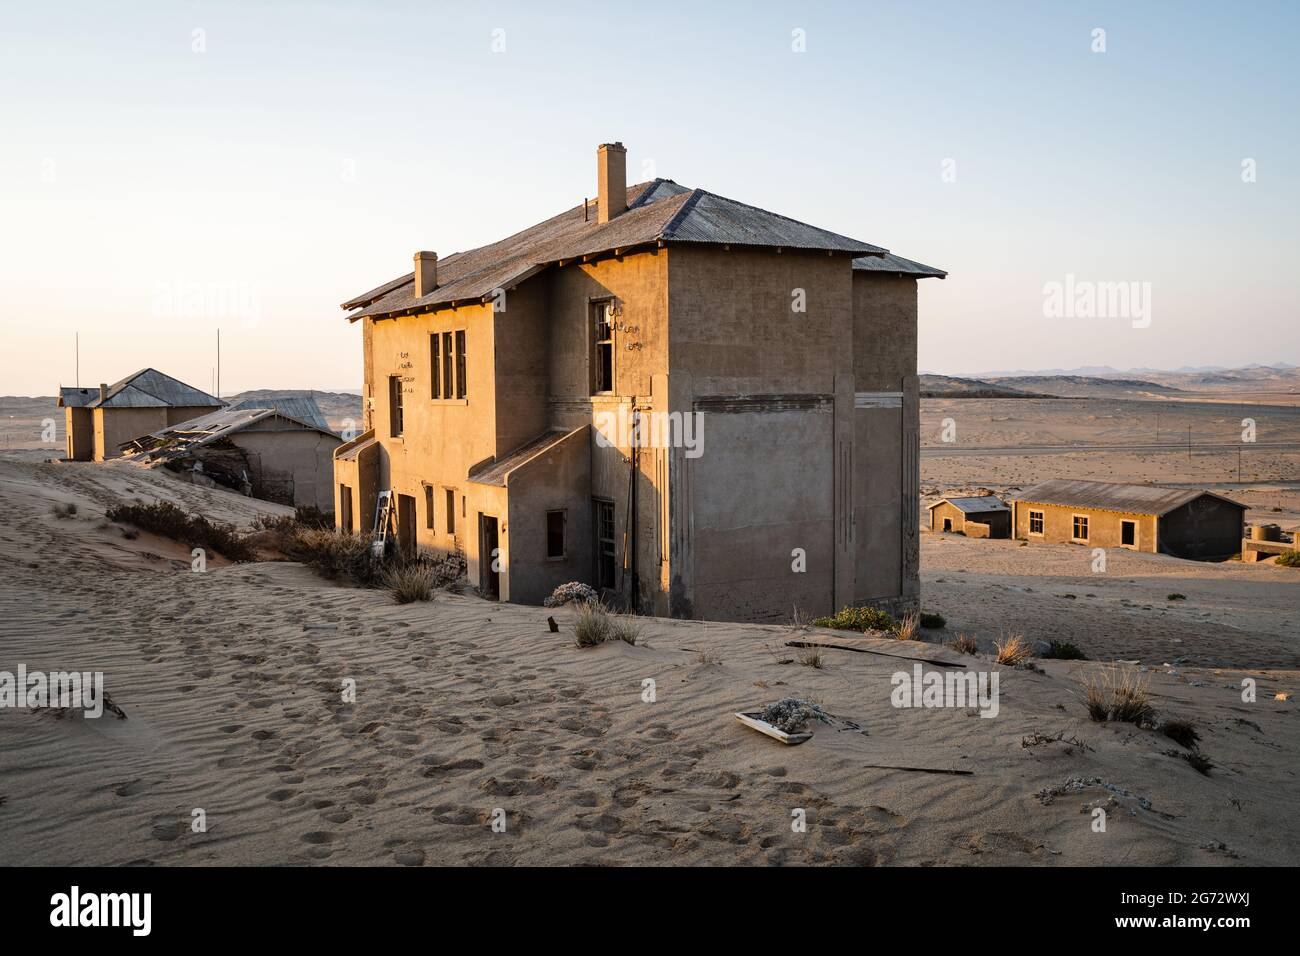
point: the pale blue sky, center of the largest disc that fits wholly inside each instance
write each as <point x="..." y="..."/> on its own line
<point x="310" y="148"/>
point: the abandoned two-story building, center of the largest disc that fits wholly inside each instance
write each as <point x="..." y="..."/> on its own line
<point x="705" y="408"/>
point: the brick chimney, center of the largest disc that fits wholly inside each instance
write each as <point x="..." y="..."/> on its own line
<point x="611" y="181"/>
<point x="103" y="392"/>
<point x="426" y="273"/>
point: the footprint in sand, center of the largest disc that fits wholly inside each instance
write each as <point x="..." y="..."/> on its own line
<point x="412" y="856"/>
<point x="164" y="829"/>
<point x="319" y="837"/>
<point x="130" y="788"/>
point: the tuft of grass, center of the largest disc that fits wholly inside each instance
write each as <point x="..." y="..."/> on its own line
<point x="625" y="628"/>
<point x="68" y="510"/>
<point x="1175" y="597"/>
<point x="410" y="583"/>
<point x="1290" y="559"/>
<point x="1199" y="763"/>
<point x="964" y="644"/>
<point x="1064" y="651"/>
<point x="704" y="657"/>
<point x="811" y="657"/>
<point x="165" y="519"/>
<point x="1180" y="732"/>
<point x="933" y="621"/>
<point x="1118" y="695"/>
<point x="334" y="554"/>
<point x="591" y="626"/>
<point x="857" y="619"/>
<point x="905" y="630"/>
<point x="1012" y="650"/>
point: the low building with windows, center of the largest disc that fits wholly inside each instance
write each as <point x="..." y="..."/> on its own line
<point x="1182" y="522"/>
<point x="703" y="408"/>
<point x="100" y="419"/>
<point x="980" y="516"/>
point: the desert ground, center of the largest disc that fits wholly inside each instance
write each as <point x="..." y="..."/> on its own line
<point x="231" y="685"/>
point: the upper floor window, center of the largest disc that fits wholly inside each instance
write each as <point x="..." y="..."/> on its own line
<point x="395" y="405"/>
<point x="602" y="354"/>
<point x="447" y="372"/>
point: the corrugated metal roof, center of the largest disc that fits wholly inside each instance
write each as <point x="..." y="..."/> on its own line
<point x="978" y="505"/>
<point x="1112" y="496"/>
<point x="178" y="438"/>
<point x="897" y="264"/>
<point x="658" y="211"/>
<point x="72" y="397"/>
<point x="303" y="408"/>
<point x="150" y="388"/>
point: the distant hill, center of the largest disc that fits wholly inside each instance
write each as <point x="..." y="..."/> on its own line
<point x="948" y="386"/>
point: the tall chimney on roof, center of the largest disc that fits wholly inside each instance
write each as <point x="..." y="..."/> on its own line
<point x="611" y="181"/>
<point x="426" y="273"/>
<point x="103" y="392"/>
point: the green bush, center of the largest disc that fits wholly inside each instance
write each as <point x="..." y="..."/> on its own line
<point x="195" y="531"/>
<point x="857" y="619"/>
<point x="1289" y="560"/>
<point x="1064" y="651"/>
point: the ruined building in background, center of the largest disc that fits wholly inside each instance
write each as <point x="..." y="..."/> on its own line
<point x="768" y="366"/>
<point x="100" y="419"/>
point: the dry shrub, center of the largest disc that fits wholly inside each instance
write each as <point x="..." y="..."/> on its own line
<point x="1118" y="695"/>
<point x="964" y="644"/>
<point x="409" y="583"/>
<point x="906" y="629"/>
<point x="334" y="554"/>
<point x="811" y="657"/>
<point x="625" y="628"/>
<point x="591" y="626"/>
<point x="168" y="521"/>
<point x="1012" y="650"/>
<point x="1181" y="732"/>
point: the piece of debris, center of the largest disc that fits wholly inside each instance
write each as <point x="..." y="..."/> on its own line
<point x="1047" y="796"/>
<point x="555" y="628"/>
<point x="957" y="773"/>
<point x="864" y="650"/>
<point x="1034" y="740"/>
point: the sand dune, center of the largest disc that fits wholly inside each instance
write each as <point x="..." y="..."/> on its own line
<point x="231" y="682"/>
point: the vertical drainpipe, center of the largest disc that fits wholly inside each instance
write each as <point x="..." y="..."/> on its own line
<point x="636" y="466"/>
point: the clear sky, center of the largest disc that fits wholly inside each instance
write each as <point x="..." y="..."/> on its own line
<point x="157" y="183"/>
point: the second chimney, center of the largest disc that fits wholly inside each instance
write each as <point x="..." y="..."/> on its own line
<point x="611" y="181"/>
<point x="103" y="392"/>
<point x="426" y="273"/>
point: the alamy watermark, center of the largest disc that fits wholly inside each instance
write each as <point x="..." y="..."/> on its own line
<point x="952" y="688"/>
<point x="637" y="429"/>
<point x="1083" y="299"/>
<point x="71" y="689"/>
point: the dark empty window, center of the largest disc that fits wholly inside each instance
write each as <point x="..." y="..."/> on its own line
<point x="460" y="363"/>
<point x="1080" y="528"/>
<point x="605" y="552"/>
<point x="555" y="521"/>
<point x="447" y="373"/>
<point x="451" y="511"/>
<point x="435" y="389"/>
<point x="1128" y="532"/>
<point x="428" y="507"/>
<point x="602" y="359"/>
<point x="345" y="508"/>
<point x="395" y="405"/>
<point x="1035" y="522"/>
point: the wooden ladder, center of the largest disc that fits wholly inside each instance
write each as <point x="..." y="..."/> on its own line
<point x="383" y="515"/>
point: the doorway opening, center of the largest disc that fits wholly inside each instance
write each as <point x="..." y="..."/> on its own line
<point x="489" y="558"/>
